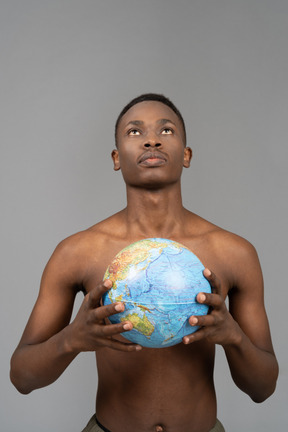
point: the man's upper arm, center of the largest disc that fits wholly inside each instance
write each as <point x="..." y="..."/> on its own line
<point x="246" y="298"/>
<point x="54" y="305"/>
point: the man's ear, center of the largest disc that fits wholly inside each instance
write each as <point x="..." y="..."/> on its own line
<point x="116" y="162"/>
<point x="187" y="157"/>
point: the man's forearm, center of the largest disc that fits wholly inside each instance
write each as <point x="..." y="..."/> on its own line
<point x="36" y="366"/>
<point x="253" y="370"/>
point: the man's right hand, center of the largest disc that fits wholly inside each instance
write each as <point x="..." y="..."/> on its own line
<point x="88" y="331"/>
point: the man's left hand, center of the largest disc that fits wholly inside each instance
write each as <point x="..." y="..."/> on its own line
<point x="218" y="326"/>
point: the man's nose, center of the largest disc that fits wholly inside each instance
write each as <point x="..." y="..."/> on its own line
<point x="150" y="144"/>
<point x="152" y="140"/>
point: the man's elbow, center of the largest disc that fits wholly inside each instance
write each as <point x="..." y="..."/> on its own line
<point x="19" y="383"/>
<point x="18" y="377"/>
<point x="262" y="397"/>
<point x="267" y="392"/>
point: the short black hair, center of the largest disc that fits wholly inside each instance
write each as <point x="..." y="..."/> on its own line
<point x="150" y="97"/>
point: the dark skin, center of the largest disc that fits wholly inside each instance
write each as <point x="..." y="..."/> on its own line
<point x="169" y="389"/>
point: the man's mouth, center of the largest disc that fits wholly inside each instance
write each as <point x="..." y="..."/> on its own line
<point x="152" y="159"/>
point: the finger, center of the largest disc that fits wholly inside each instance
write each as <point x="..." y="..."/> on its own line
<point x="96" y="293"/>
<point x="200" y="334"/>
<point x="103" y="312"/>
<point x="213" y="300"/>
<point x="213" y="280"/>
<point x="203" y="321"/>
<point x="115" y="329"/>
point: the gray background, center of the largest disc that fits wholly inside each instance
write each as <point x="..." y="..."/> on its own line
<point x="67" y="69"/>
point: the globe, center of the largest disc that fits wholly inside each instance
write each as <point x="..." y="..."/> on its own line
<point x="157" y="280"/>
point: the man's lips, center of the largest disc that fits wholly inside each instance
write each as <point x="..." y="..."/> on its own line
<point x="152" y="158"/>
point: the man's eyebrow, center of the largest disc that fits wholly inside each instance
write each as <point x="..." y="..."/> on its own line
<point x="141" y="123"/>
<point x="135" y="123"/>
<point x="164" y="121"/>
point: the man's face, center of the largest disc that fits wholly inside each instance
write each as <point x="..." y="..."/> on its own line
<point x="151" y="150"/>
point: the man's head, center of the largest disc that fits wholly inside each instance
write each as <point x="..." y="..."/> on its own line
<point x="150" y="97"/>
<point x="151" y="143"/>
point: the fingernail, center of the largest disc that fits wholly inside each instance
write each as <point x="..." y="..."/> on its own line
<point x="119" y="307"/>
<point x="127" y="326"/>
<point x="193" y="320"/>
<point x="208" y="272"/>
<point x="107" y="283"/>
<point x="138" y="348"/>
<point x="201" y="298"/>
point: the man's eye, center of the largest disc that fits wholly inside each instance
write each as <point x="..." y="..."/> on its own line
<point x="167" y="131"/>
<point x="133" y="132"/>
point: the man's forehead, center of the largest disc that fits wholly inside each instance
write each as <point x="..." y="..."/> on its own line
<point x="160" y="122"/>
<point x="149" y="111"/>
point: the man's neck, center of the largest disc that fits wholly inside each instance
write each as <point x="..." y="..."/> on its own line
<point x="155" y="213"/>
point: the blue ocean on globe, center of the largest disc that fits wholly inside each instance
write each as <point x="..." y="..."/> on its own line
<point x="157" y="280"/>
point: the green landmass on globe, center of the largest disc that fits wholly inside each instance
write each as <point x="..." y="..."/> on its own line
<point x="143" y="325"/>
<point x="157" y="280"/>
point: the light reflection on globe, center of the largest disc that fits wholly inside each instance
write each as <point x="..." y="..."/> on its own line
<point x="158" y="281"/>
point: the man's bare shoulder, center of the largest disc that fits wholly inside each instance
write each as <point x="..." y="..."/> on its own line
<point x="89" y="246"/>
<point x="233" y="246"/>
<point x="217" y="236"/>
<point x="82" y="258"/>
<point x="98" y="234"/>
<point x="230" y="251"/>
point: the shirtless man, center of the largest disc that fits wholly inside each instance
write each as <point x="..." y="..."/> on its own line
<point x="169" y="389"/>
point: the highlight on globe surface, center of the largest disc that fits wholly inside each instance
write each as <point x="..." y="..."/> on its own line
<point x="157" y="280"/>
